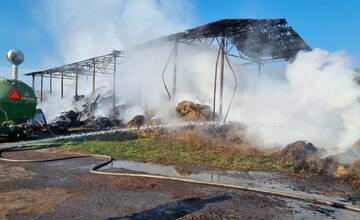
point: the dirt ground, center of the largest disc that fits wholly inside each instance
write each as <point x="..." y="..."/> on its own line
<point x="66" y="190"/>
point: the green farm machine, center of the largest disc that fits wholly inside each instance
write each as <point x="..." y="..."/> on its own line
<point x="18" y="114"/>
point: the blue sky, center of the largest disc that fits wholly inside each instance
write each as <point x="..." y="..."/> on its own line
<point x="329" y="24"/>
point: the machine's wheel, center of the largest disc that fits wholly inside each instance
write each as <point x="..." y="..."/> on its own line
<point x="26" y="134"/>
<point x="20" y="135"/>
<point x="14" y="136"/>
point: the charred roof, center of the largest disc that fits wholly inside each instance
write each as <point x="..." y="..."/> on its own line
<point x="257" y="39"/>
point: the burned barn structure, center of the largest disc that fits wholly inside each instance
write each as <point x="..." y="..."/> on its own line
<point x="104" y="65"/>
<point x="255" y="41"/>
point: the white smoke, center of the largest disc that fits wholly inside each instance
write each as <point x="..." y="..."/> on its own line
<point x="314" y="99"/>
<point x="317" y="100"/>
<point x="83" y="29"/>
<point x="141" y="76"/>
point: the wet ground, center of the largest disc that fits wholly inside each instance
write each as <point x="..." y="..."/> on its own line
<point x="66" y="190"/>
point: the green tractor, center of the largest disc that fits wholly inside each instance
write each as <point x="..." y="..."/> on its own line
<point x="18" y="114"/>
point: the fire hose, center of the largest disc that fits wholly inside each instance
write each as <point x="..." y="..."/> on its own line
<point x="109" y="159"/>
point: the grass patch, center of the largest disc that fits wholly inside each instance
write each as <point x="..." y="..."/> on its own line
<point x="167" y="150"/>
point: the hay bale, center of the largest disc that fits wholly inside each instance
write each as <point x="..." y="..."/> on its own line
<point x="329" y="166"/>
<point x="136" y="122"/>
<point x="298" y="151"/>
<point x="341" y="171"/>
<point x="189" y="111"/>
<point x="152" y="122"/>
<point x="152" y="131"/>
<point x="303" y="155"/>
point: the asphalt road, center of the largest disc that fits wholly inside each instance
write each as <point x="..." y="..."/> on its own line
<point x="66" y="190"/>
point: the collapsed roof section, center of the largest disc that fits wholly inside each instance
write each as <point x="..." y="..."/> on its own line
<point x="254" y="39"/>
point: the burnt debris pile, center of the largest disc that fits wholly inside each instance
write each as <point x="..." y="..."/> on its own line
<point x="303" y="155"/>
<point x="89" y="115"/>
<point x="92" y="115"/>
<point x="308" y="159"/>
<point x="67" y="120"/>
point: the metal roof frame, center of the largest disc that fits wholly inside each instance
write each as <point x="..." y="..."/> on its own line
<point x="103" y="65"/>
<point x="256" y="40"/>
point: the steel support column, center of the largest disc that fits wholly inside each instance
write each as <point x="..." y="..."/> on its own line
<point x="114" y="82"/>
<point x="259" y="70"/>
<point x="93" y="77"/>
<point x="215" y="85"/>
<point x="33" y="82"/>
<point x="50" y="83"/>
<point x="76" y="82"/>
<point x="222" y="57"/>
<point x="62" y="84"/>
<point x="175" y="68"/>
<point x="41" y="86"/>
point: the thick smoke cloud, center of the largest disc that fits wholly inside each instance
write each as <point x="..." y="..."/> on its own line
<point x="82" y="29"/>
<point x="317" y="100"/>
<point x="314" y="98"/>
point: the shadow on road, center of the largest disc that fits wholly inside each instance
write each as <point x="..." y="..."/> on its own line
<point x="173" y="210"/>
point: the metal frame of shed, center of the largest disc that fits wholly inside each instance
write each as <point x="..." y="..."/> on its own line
<point x="100" y="65"/>
<point x="257" y="41"/>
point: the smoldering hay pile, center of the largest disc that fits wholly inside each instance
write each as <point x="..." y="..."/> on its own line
<point x="315" y="99"/>
<point x="86" y="116"/>
<point x="303" y="155"/>
<point x="308" y="159"/>
<point x="190" y="111"/>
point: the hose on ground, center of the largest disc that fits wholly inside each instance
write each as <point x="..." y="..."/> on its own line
<point x="109" y="159"/>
